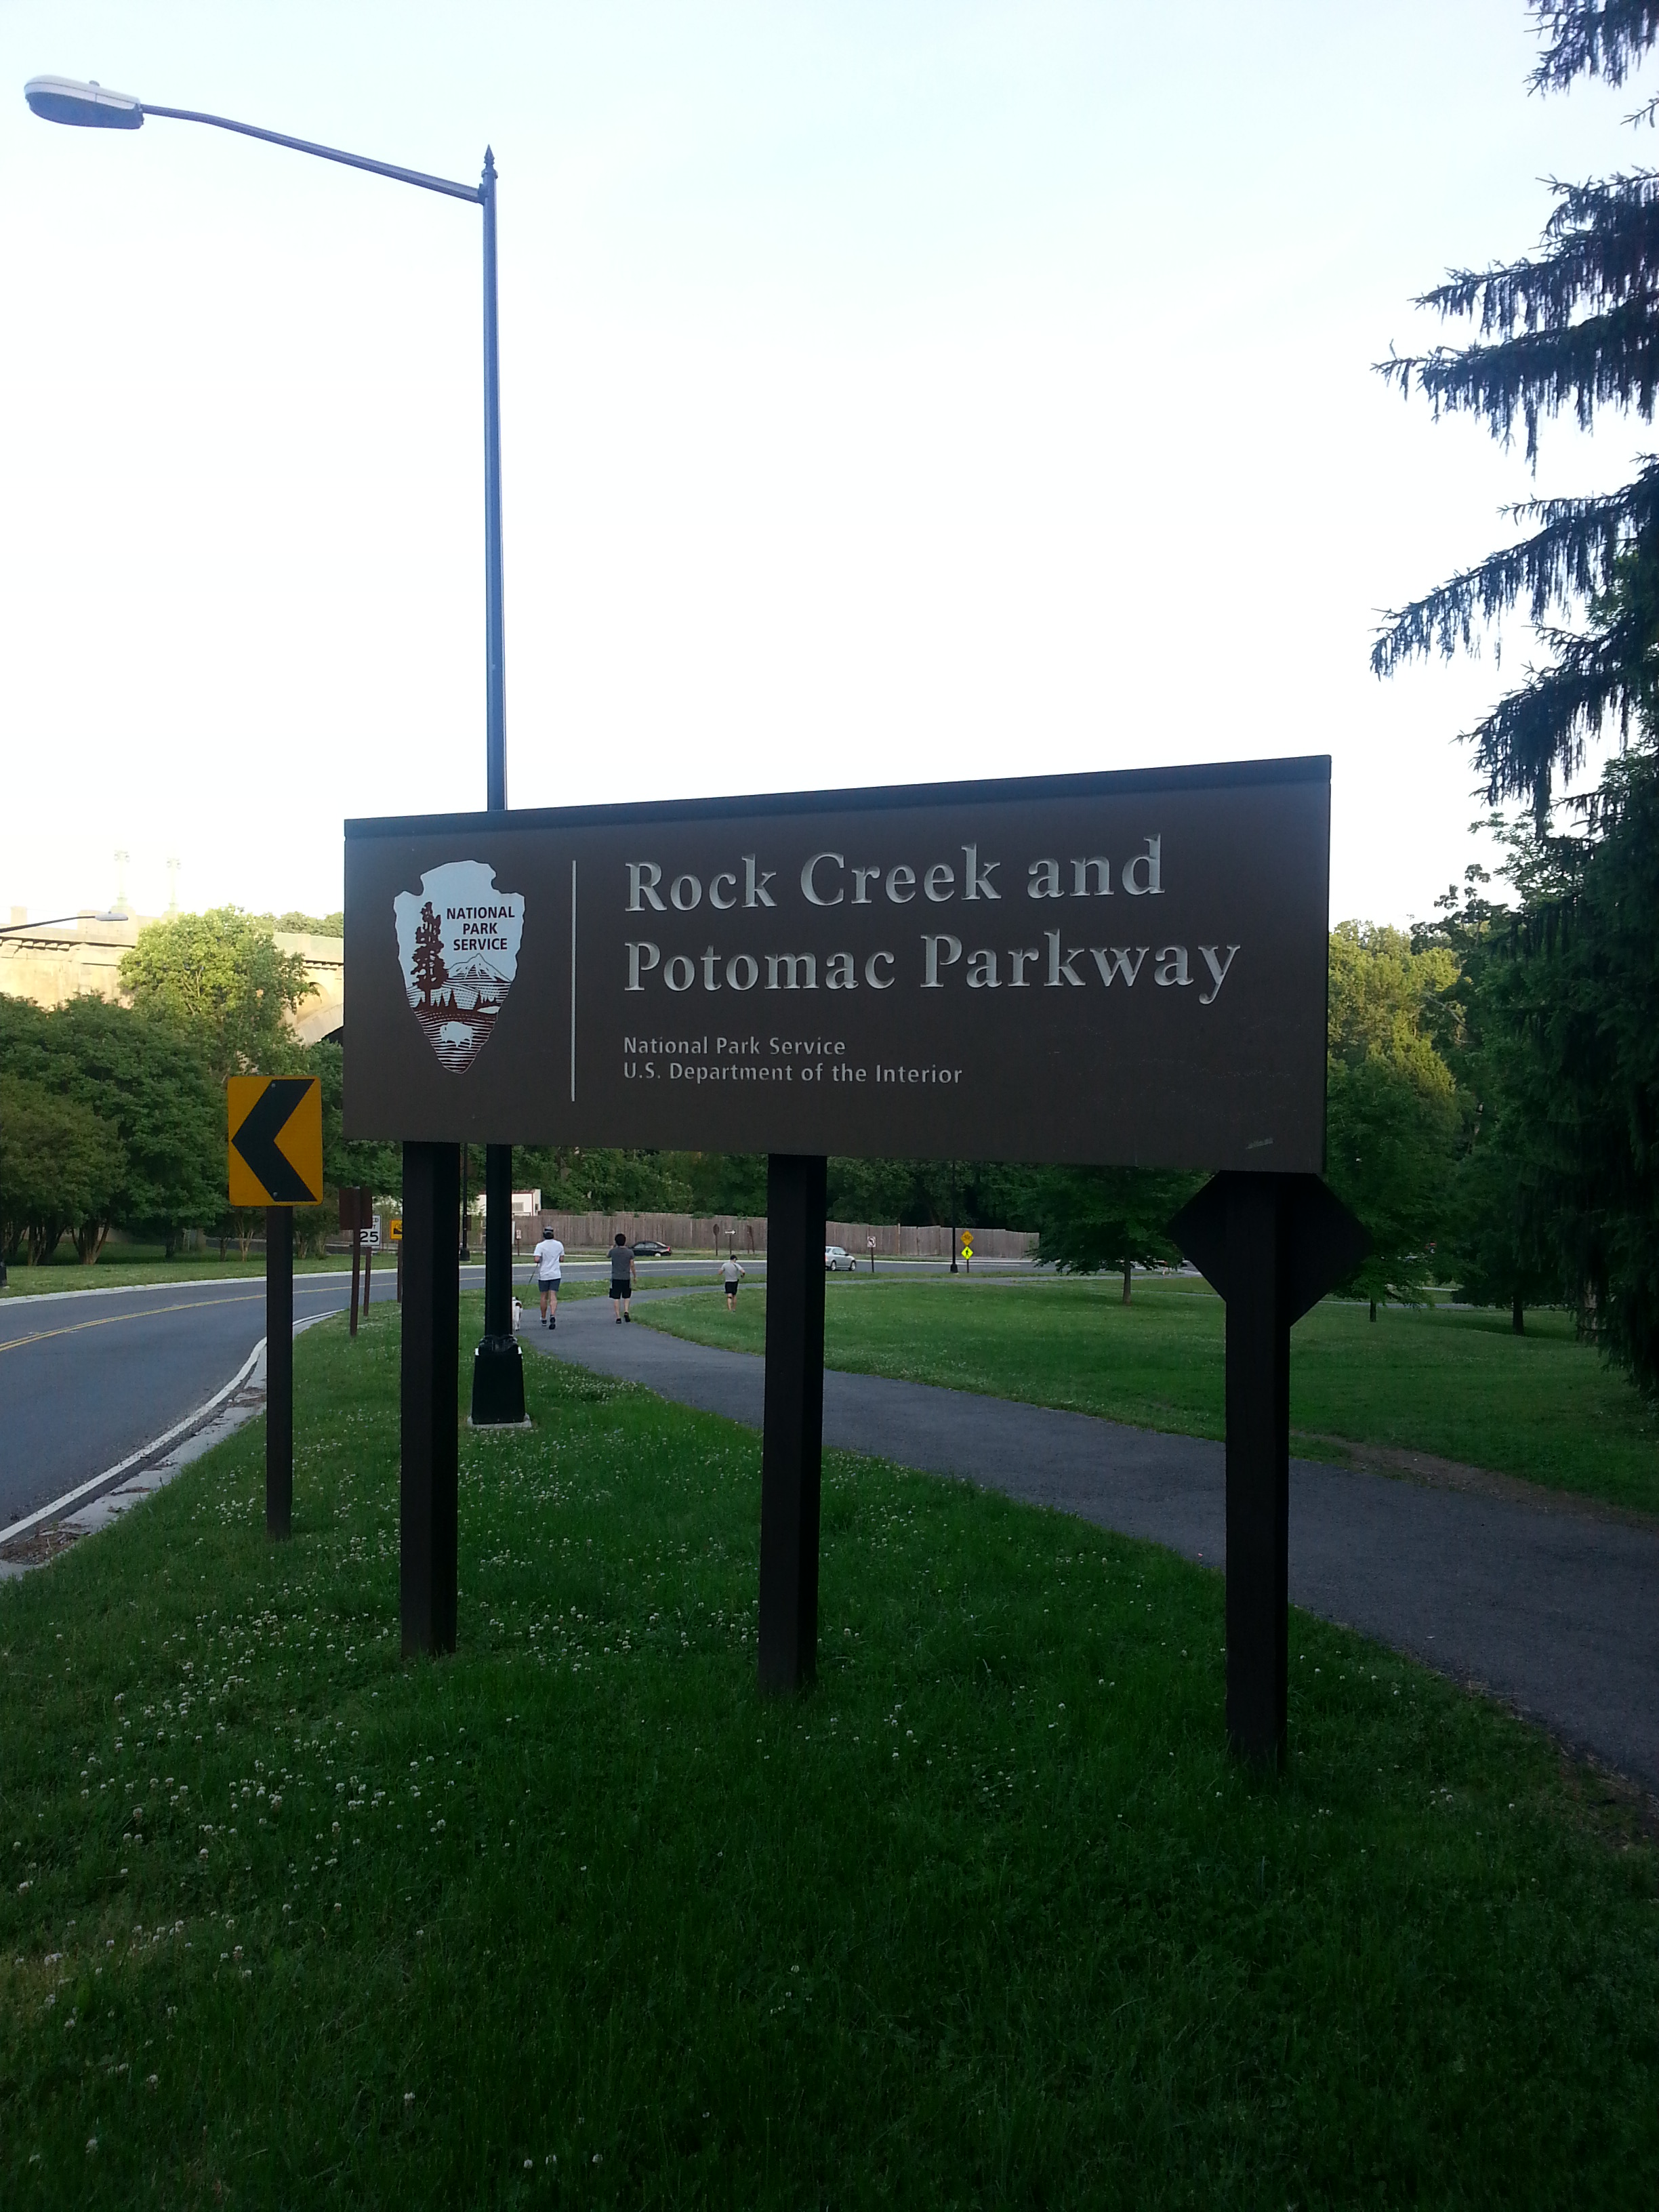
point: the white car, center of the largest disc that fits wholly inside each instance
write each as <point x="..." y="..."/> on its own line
<point x="838" y="1255"/>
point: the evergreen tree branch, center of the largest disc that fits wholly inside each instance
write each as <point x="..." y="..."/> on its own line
<point x="1541" y="730"/>
<point x="1570" y="559"/>
<point x="1592" y="38"/>
<point x="1604" y="237"/>
<point x="1611" y="359"/>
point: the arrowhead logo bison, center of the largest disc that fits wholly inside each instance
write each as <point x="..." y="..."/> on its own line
<point x="457" y="942"/>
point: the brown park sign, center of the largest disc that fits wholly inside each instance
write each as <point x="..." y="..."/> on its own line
<point x="1125" y="968"/>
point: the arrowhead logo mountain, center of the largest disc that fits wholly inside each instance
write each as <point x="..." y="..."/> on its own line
<point x="254" y="1141"/>
<point x="458" y="943"/>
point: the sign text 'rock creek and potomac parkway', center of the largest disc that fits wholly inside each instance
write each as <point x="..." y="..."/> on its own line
<point x="1122" y="968"/>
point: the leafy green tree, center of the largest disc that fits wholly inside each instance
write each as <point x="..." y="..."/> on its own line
<point x="149" y="1085"/>
<point x="598" y="1179"/>
<point x="1500" y="1245"/>
<point x="724" y="1182"/>
<point x="1574" y="326"/>
<point x="1393" y="1115"/>
<point x="59" y="1167"/>
<point x="1111" y="1218"/>
<point x="368" y="1162"/>
<point x="1389" y="1150"/>
<point x="221" y="976"/>
<point x="1567" y="999"/>
<point x="305" y="925"/>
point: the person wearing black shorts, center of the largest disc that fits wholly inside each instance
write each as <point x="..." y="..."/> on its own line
<point x="622" y="1271"/>
<point x="732" y="1274"/>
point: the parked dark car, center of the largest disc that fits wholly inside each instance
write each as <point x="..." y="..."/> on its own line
<point x="648" y="1248"/>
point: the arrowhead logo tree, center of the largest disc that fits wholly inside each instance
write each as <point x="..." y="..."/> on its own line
<point x="458" y="943"/>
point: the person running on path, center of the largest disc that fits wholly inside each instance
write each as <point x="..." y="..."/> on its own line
<point x="549" y="1268"/>
<point x="732" y="1274"/>
<point x="622" y="1271"/>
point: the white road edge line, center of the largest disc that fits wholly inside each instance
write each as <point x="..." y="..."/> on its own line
<point x="59" y="1506"/>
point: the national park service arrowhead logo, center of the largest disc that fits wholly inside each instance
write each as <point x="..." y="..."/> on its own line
<point x="457" y="939"/>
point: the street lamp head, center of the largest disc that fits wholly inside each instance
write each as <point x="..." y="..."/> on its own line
<point x="90" y="107"/>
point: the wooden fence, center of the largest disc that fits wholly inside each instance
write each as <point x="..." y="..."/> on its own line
<point x="685" y="1232"/>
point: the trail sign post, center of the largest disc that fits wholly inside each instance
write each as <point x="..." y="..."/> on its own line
<point x="1124" y="969"/>
<point x="276" y="1160"/>
<point x="357" y="1222"/>
<point x="1272" y="1246"/>
<point x="352" y="1221"/>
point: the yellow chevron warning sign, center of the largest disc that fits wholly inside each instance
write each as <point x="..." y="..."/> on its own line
<point x="275" y="1140"/>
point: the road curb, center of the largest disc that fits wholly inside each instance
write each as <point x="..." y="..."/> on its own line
<point x="215" y="1412"/>
<point x="44" y="1516"/>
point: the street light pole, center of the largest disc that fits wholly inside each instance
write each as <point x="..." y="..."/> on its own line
<point x="498" y="1365"/>
<point x="57" y="920"/>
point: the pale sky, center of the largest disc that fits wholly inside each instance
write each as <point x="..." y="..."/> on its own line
<point x="889" y="392"/>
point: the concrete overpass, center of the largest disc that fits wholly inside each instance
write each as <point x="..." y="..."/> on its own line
<point x="52" y="965"/>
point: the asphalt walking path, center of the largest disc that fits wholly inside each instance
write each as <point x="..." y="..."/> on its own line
<point x="1548" y="1605"/>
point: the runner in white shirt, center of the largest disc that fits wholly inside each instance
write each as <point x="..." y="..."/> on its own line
<point x="550" y="1267"/>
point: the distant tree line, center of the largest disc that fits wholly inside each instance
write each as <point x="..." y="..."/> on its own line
<point x="113" y="1116"/>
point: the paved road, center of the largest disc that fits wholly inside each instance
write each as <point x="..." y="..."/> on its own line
<point x="88" y="1376"/>
<point x="1554" y="1609"/>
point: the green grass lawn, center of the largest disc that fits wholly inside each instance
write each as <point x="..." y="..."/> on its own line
<point x="1459" y="1384"/>
<point x="573" y="1918"/>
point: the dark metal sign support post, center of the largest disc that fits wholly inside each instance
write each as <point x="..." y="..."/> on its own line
<point x="427" y="1511"/>
<point x="498" y="1361"/>
<point x="792" y="1446"/>
<point x="1272" y="1245"/>
<point x="279" y="1370"/>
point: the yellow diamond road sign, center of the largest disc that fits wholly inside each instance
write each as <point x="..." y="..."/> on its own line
<point x="275" y="1140"/>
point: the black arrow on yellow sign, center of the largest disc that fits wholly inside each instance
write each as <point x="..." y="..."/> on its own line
<point x="255" y="1139"/>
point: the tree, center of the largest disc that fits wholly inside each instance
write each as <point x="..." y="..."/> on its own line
<point x="1576" y="326"/>
<point x="1115" y="1217"/>
<point x="600" y="1179"/>
<point x="307" y="925"/>
<point x="149" y="1085"/>
<point x="222" y="976"/>
<point x="1567" y="998"/>
<point x="367" y="1161"/>
<point x="1500" y="1245"/>
<point x="1390" y="1147"/>
<point x="431" y="969"/>
<point x="1392" y="1111"/>
<point x="59" y="1165"/>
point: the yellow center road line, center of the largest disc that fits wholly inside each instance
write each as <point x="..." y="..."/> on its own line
<point x="154" y="1312"/>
